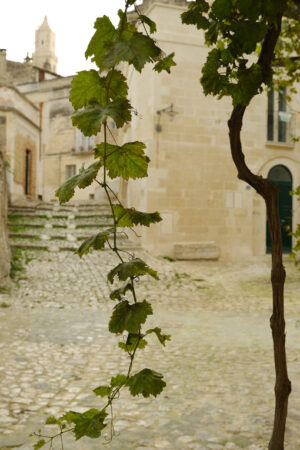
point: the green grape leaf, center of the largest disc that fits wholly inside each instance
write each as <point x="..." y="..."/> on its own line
<point x="133" y="268"/>
<point x="146" y="382"/>
<point x="149" y="22"/>
<point x="135" y="48"/>
<point x="118" y="380"/>
<point x="194" y="15"/>
<point x="117" y="84"/>
<point x="81" y="180"/>
<point x="129" y="317"/>
<point x="128" y="161"/>
<point x="118" y="294"/>
<point x="87" y="87"/>
<point x="51" y="421"/>
<point x="39" y="444"/>
<point x="105" y="32"/>
<point x="102" y="391"/>
<point x="165" y="63"/>
<point x="160" y="336"/>
<point x="90" y="423"/>
<point x="96" y="242"/>
<point x="133" y="341"/>
<point x="222" y="8"/>
<point x="127" y="217"/>
<point x="90" y="119"/>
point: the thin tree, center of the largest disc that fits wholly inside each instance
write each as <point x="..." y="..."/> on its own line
<point x="237" y="30"/>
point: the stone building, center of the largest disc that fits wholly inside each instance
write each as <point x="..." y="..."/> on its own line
<point x="192" y="180"/>
<point x="40" y="145"/>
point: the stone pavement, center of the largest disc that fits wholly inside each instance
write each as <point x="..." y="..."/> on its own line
<point x="55" y="348"/>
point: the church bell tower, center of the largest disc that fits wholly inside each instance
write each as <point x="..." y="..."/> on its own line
<point x="44" y="55"/>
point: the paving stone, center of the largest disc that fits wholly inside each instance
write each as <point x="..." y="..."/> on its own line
<point x="218" y="366"/>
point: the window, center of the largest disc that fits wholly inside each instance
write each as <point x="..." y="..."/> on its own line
<point x="84" y="143"/>
<point x="279" y="119"/>
<point x="70" y="171"/>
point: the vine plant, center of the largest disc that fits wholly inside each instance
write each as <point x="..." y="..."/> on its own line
<point x="97" y="96"/>
<point x="236" y="30"/>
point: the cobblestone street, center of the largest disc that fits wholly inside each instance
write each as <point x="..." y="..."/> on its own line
<point x="55" y="348"/>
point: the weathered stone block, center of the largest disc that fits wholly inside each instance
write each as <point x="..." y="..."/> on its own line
<point x="196" y="251"/>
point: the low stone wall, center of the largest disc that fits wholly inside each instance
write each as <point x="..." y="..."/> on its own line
<point x="196" y="251"/>
<point x="4" y="248"/>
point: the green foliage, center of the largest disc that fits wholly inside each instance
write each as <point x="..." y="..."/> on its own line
<point x="39" y="444"/>
<point x="96" y="242"/>
<point x="135" y="48"/>
<point x="131" y="269"/>
<point x="90" y="119"/>
<point x="129" y="317"/>
<point x="96" y="97"/>
<point x="133" y="342"/>
<point x="103" y="391"/>
<point x="87" y="88"/>
<point x="234" y="29"/>
<point x="128" y="217"/>
<point x="165" y="63"/>
<point x="105" y="33"/>
<point x="90" y="423"/>
<point x="146" y="382"/>
<point x="126" y="161"/>
<point x="160" y="336"/>
<point x="118" y="294"/>
<point x="146" y="20"/>
<point x="118" y="380"/>
<point x="82" y="180"/>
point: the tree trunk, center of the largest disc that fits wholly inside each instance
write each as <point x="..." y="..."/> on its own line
<point x="270" y="192"/>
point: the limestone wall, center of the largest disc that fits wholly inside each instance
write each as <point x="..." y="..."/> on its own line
<point x="192" y="179"/>
<point x="4" y="248"/>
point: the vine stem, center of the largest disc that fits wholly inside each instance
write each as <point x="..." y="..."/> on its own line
<point x="270" y="192"/>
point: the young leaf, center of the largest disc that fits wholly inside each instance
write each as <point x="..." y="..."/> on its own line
<point x="87" y="87"/>
<point x="194" y="15"/>
<point x="51" y="421"/>
<point x="83" y="179"/>
<point x="165" y="63"/>
<point x="146" y="20"/>
<point x="129" y="317"/>
<point x="146" y="382"/>
<point x="117" y="84"/>
<point x="105" y="32"/>
<point x="96" y="242"/>
<point x="128" y="161"/>
<point x="161" y="337"/>
<point x="133" y="341"/>
<point x="90" y="119"/>
<point x="118" y="294"/>
<point x="133" y="268"/>
<point x="103" y="391"/>
<point x="135" y="48"/>
<point x="39" y="444"/>
<point x="90" y="423"/>
<point x="127" y="217"/>
<point x="118" y="380"/>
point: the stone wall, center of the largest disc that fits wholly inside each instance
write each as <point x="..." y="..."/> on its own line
<point x="4" y="248"/>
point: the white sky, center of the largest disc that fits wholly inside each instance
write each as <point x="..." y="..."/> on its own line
<point x="71" y="20"/>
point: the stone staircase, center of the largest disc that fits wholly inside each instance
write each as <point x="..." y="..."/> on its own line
<point x="49" y="226"/>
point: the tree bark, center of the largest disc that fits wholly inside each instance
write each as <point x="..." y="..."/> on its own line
<point x="270" y="192"/>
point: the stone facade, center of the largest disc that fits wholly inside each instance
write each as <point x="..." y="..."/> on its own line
<point x="4" y="248"/>
<point x="192" y="179"/>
